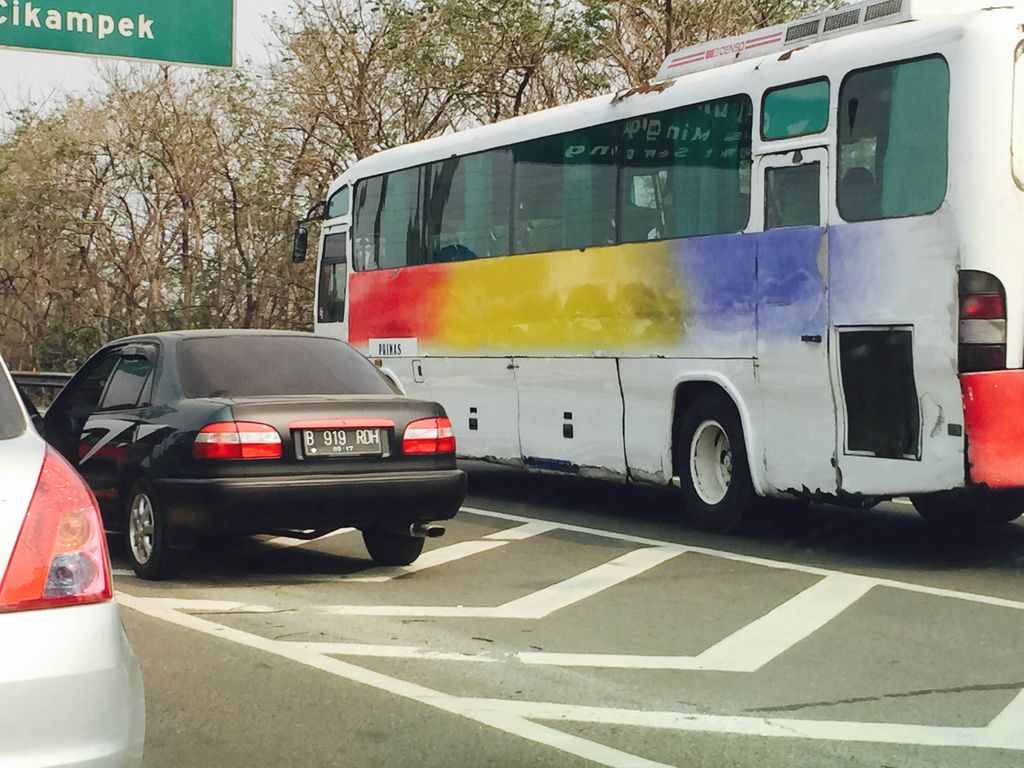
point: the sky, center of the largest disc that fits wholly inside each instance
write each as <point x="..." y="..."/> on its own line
<point x="27" y="77"/>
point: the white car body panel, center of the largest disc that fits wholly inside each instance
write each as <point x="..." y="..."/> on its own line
<point x="71" y="691"/>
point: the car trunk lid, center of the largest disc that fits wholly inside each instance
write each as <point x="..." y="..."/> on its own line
<point x="336" y="433"/>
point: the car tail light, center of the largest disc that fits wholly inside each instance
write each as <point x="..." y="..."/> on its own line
<point x="237" y="440"/>
<point x="429" y="436"/>
<point x="982" y="322"/>
<point x="60" y="557"/>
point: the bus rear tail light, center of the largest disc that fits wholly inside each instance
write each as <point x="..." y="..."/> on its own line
<point x="237" y="440"/>
<point x="429" y="436"/>
<point x="60" y="557"/>
<point x="982" y="322"/>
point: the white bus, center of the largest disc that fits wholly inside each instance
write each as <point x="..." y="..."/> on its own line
<point x="792" y="266"/>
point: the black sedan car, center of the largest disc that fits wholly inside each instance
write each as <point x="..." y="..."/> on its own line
<point x="197" y="433"/>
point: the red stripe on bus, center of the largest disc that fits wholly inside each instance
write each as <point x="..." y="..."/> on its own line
<point x="994" y="423"/>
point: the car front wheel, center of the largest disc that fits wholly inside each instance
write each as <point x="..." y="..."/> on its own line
<point x="147" y="535"/>
<point x="387" y="548"/>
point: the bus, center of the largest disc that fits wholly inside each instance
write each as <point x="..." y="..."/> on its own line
<point x="791" y="267"/>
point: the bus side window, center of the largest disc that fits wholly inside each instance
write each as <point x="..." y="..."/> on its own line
<point x="643" y="207"/>
<point x="466" y="207"/>
<point x="892" y="162"/>
<point x="565" y="190"/>
<point x="693" y="165"/>
<point x="792" y="196"/>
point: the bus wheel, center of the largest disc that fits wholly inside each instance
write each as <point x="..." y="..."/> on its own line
<point x="967" y="508"/>
<point x="711" y="459"/>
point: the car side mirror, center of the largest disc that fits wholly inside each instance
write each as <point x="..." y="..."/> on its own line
<point x="299" y="245"/>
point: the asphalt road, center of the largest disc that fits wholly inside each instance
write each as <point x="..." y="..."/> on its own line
<point x="564" y="622"/>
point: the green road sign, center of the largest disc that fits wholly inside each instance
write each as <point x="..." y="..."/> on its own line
<point x="177" y="31"/>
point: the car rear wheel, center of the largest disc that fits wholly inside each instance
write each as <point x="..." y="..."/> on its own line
<point x="965" y="508"/>
<point x="147" y="535"/>
<point x="387" y="548"/>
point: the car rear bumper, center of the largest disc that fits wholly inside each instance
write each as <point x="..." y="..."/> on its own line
<point x="70" y="690"/>
<point x="260" y="504"/>
<point x="994" y="422"/>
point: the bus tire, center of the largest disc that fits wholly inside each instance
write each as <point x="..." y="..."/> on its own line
<point x="711" y="462"/>
<point x="970" y="508"/>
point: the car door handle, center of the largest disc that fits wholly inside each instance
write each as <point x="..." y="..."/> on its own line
<point x="811" y="339"/>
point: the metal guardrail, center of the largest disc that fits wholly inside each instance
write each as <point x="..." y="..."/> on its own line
<point x="41" y="388"/>
<point x="46" y="380"/>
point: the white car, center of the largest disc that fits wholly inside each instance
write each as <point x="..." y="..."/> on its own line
<point x="70" y="687"/>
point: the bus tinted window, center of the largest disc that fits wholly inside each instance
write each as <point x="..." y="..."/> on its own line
<point x="467" y="207"/>
<point x="891" y="161"/>
<point x="686" y="172"/>
<point x="388" y="221"/>
<point x="337" y="205"/>
<point x="795" y="110"/>
<point x="565" y="190"/>
<point x="332" y="284"/>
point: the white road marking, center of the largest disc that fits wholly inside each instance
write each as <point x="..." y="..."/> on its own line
<point x="206" y="606"/>
<point x="992" y="736"/>
<point x="751" y="647"/>
<point x="468" y="708"/>
<point x="453" y="552"/>
<point x="779" y="565"/>
<point x="589" y="583"/>
<point x="539" y="604"/>
<point x="428" y="560"/>
<point x="523" y="532"/>
<point x="122" y="572"/>
<point x="284" y="542"/>
<point x="746" y="650"/>
<point x="391" y="652"/>
<point x="1006" y="731"/>
<point x="1010" y="722"/>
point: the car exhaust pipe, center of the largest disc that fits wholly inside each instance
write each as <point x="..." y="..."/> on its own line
<point x="426" y="530"/>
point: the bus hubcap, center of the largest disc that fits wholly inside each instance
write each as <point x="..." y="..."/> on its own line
<point x="710" y="462"/>
<point x="140" y="528"/>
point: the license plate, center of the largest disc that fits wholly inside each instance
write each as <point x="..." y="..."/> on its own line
<point x="328" y="443"/>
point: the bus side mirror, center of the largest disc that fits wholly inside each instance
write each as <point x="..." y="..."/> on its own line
<point x="299" y="245"/>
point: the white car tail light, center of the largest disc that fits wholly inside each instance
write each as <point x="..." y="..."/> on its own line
<point x="60" y="557"/>
<point x="429" y="436"/>
<point x="237" y="440"/>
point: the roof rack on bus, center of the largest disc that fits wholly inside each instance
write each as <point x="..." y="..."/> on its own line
<point x="844" y="20"/>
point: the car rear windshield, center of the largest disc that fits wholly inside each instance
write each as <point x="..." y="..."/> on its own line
<point x="12" y="421"/>
<point x="254" y="366"/>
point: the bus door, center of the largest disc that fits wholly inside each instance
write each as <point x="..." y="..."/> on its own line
<point x="793" y="367"/>
<point x="332" y="284"/>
